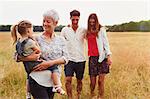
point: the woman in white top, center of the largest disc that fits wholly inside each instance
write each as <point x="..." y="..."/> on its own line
<point x="99" y="54"/>
<point x="53" y="50"/>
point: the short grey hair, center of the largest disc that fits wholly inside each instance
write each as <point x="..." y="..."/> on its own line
<point x="51" y="13"/>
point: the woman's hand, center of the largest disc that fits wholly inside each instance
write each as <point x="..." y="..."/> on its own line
<point x="44" y="65"/>
<point x="109" y="60"/>
<point x="33" y="57"/>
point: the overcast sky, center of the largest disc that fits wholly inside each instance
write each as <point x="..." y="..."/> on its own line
<point x="109" y="12"/>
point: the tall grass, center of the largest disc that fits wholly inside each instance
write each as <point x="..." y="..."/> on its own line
<point x="129" y="77"/>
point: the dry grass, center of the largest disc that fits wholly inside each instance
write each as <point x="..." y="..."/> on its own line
<point x="129" y="77"/>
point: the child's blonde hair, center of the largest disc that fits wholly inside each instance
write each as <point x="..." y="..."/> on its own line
<point x="21" y="28"/>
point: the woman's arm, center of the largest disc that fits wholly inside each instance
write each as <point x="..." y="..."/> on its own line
<point x="106" y="47"/>
<point x="31" y="44"/>
<point x="33" y="57"/>
<point x="106" y="42"/>
<point x="45" y="64"/>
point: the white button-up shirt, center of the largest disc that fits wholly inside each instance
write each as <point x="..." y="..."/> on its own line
<point x="75" y="43"/>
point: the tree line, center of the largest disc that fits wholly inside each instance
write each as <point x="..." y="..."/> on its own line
<point x="142" y="26"/>
<point x="7" y="28"/>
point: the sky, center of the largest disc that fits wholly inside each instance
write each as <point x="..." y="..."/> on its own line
<point x="109" y="12"/>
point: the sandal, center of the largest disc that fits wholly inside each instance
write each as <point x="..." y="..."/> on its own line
<point x="58" y="90"/>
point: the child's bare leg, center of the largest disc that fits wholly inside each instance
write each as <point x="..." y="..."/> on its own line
<point x="57" y="84"/>
<point x="55" y="79"/>
<point x="28" y="94"/>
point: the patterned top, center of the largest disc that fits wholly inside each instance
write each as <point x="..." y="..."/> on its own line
<point x="54" y="49"/>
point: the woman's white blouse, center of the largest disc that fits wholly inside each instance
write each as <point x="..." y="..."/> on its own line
<point x="54" y="49"/>
<point x="103" y="44"/>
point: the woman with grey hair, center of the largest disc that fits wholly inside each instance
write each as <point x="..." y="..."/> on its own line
<point x="53" y="50"/>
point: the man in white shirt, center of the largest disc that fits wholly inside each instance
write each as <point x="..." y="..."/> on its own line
<point x="75" y="43"/>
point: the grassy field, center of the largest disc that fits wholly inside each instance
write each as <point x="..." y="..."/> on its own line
<point x="129" y="77"/>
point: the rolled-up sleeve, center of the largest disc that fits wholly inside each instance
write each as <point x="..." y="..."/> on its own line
<point x="106" y="42"/>
<point x="65" y="54"/>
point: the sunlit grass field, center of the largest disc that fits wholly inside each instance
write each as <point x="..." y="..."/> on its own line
<point x="129" y="77"/>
